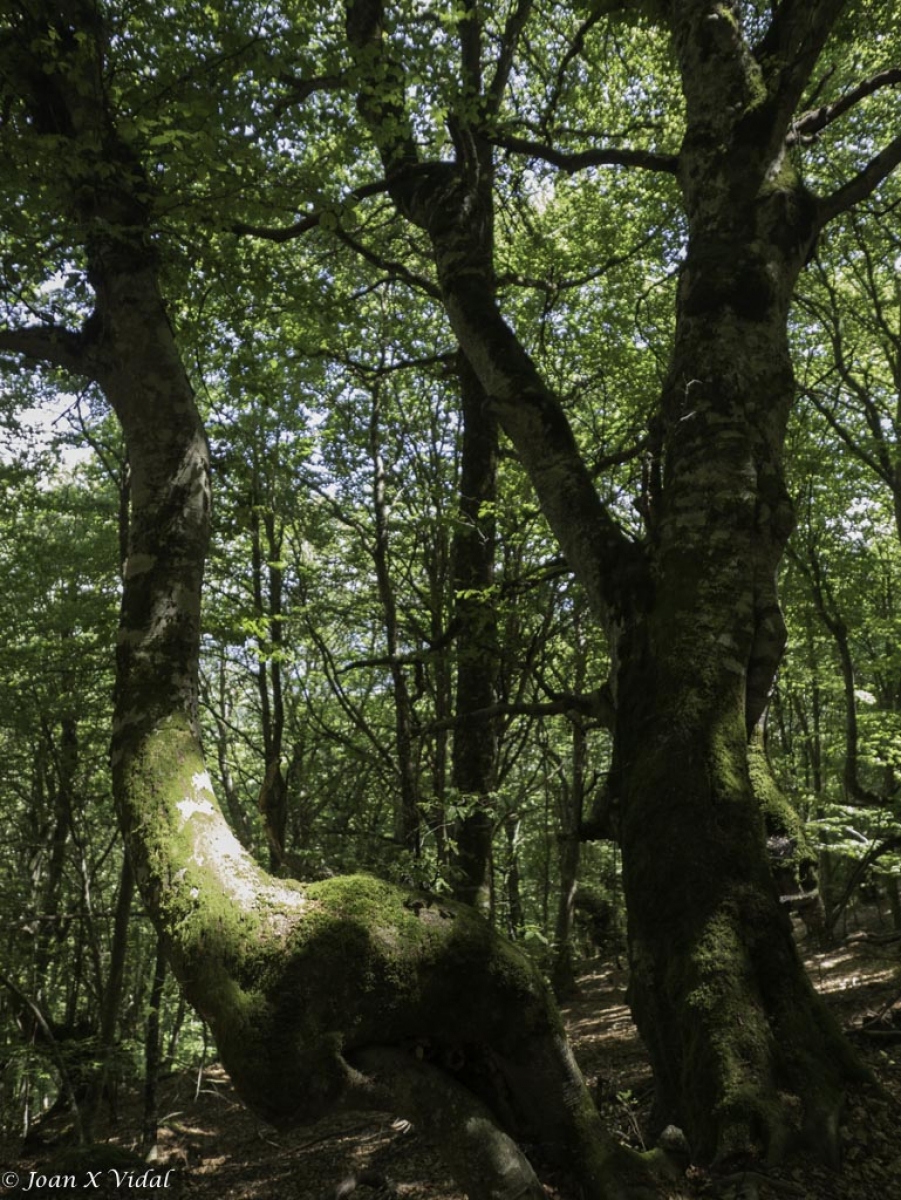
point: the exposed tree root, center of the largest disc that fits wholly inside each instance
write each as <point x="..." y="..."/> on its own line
<point x="482" y="1158"/>
<point x="375" y="1181"/>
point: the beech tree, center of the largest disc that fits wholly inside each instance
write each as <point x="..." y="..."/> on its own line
<point x="316" y="992"/>
<point x="690" y="608"/>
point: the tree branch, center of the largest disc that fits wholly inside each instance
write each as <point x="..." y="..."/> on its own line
<point x="597" y="706"/>
<point x="817" y="119"/>
<point x="553" y="287"/>
<point x="825" y="605"/>
<point x="516" y="22"/>
<point x="301" y="89"/>
<point x="436" y="198"/>
<point x="393" y="268"/>
<point x="51" y="344"/>
<point x="851" y="442"/>
<point x="646" y="160"/>
<point x="576" y="48"/>
<point x="287" y="233"/>
<point x="789" y="51"/>
<point x="862" y="186"/>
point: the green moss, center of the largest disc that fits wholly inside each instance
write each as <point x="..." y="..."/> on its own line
<point x="293" y="980"/>
<point x="727" y="758"/>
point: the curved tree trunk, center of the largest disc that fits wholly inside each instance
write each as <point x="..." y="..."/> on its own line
<point x="317" y="996"/>
<point x="296" y="984"/>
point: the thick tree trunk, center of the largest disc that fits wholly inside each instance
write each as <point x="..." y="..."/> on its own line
<point x="733" y="1027"/>
<point x="735" y="1032"/>
<point x="696" y="645"/>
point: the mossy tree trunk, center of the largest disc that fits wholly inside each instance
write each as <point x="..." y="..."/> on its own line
<point x="349" y="992"/>
<point x="738" y="1039"/>
<point x="731" y="1022"/>
<point x="734" y="1029"/>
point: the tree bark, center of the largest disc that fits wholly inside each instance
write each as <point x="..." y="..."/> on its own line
<point x="267" y="583"/>
<point x="407" y="815"/>
<point x="475" y="744"/>
<point x="152" y="1057"/>
<point x="735" y="1032"/>
<point x="572" y="800"/>
<point x="571" y="811"/>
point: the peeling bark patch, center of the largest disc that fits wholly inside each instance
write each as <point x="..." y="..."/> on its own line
<point x="191" y="806"/>
<point x="139" y="564"/>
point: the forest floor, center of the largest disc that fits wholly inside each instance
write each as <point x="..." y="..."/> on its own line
<point x="220" y="1151"/>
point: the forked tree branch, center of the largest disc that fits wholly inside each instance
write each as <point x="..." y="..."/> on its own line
<point x="789" y="51"/>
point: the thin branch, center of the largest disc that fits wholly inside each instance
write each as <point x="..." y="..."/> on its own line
<point x="444" y="359"/>
<point x="618" y="458"/>
<point x="53" y="1046"/>
<point x="860" y="869"/>
<point x="351" y="708"/>
<point x="405" y="660"/>
<point x="850" y="441"/>
<point x="395" y="269"/>
<point x="821" y="84"/>
<point x="287" y="233"/>
<point x="578" y="44"/>
<point x="301" y="89"/>
<point x="598" y="706"/>
<point x="513" y="28"/>
<point x="553" y="287"/>
<point x="808" y="563"/>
